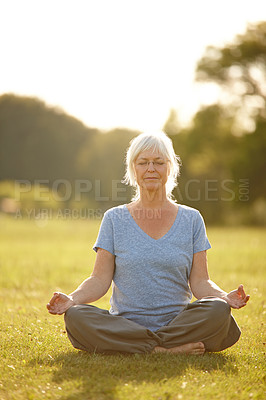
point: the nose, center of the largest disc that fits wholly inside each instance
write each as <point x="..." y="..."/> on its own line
<point x="151" y="166"/>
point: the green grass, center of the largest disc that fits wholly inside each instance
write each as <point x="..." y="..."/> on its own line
<point x="38" y="362"/>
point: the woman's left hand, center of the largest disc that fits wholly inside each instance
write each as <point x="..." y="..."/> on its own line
<point x="237" y="298"/>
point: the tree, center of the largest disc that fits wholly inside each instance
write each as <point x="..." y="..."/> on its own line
<point x="104" y="157"/>
<point x="172" y="126"/>
<point x="37" y="141"/>
<point x="207" y="149"/>
<point x="240" y="70"/>
<point x="41" y="143"/>
<point x="223" y="150"/>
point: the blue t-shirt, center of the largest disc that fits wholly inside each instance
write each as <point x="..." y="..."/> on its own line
<point x="150" y="282"/>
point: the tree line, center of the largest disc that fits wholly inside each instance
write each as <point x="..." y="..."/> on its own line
<point x="48" y="158"/>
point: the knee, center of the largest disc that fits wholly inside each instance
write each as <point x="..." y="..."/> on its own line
<point x="72" y="315"/>
<point x="77" y="315"/>
<point x="218" y="309"/>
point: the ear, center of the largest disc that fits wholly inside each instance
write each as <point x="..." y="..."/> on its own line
<point x="168" y="168"/>
<point x="134" y="170"/>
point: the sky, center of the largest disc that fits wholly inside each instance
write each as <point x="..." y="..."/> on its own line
<point x="116" y="63"/>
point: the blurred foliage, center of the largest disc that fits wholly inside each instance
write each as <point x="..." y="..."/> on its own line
<point x="38" y="142"/>
<point x="50" y="159"/>
<point x="240" y="70"/>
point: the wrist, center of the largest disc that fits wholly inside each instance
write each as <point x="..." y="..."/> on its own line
<point x="73" y="298"/>
<point x="224" y="296"/>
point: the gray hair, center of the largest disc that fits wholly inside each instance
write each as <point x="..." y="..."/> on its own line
<point x="157" y="142"/>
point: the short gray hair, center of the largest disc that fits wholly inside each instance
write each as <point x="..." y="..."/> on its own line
<point x="159" y="142"/>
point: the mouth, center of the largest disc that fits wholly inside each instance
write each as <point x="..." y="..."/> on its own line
<point x="151" y="179"/>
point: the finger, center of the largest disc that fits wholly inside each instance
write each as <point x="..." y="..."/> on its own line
<point x="237" y="304"/>
<point x="246" y="299"/>
<point x="53" y="299"/>
<point x="240" y="303"/>
<point x="50" y="306"/>
<point x="241" y="291"/>
<point x="53" y="312"/>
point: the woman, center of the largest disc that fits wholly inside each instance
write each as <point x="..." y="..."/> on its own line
<point x="153" y="251"/>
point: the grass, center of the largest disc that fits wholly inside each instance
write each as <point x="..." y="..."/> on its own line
<point x="38" y="362"/>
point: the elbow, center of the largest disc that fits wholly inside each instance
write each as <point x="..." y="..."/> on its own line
<point x="101" y="285"/>
<point x="196" y="294"/>
<point x="197" y="289"/>
<point x="105" y="290"/>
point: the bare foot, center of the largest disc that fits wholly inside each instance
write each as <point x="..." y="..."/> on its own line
<point x="190" y="348"/>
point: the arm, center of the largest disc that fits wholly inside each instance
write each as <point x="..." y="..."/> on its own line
<point x="202" y="286"/>
<point x="92" y="289"/>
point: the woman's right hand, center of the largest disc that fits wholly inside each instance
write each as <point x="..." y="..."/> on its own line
<point x="59" y="303"/>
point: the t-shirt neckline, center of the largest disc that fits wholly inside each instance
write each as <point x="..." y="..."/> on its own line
<point x="139" y="229"/>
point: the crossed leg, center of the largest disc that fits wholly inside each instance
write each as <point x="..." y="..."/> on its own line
<point x="206" y="324"/>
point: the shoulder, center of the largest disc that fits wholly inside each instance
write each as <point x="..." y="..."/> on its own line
<point x="191" y="216"/>
<point x="117" y="212"/>
<point x="189" y="211"/>
<point x="116" y="220"/>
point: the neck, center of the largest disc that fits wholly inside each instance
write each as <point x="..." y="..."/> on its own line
<point x="153" y="199"/>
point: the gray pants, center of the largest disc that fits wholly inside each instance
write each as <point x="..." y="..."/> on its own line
<point x="208" y="320"/>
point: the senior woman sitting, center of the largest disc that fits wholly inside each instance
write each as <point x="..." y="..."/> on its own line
<point x="153" y="251"/>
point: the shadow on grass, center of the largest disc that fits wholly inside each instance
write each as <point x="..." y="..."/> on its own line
<point x="97" y="376"/>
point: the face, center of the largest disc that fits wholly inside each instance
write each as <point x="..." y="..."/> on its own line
<point x="151" y="170"/>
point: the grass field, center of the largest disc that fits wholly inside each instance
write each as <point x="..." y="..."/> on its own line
<point x="38" y="362"/>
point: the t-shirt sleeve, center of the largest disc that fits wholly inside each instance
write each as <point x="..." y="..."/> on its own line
<point x="105" y="238"/>
<point x="200" y="240"/>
